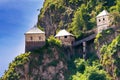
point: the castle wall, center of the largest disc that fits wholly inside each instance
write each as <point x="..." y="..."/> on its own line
<point x="103" y="23"/>
<point x="103" y="27"/>
<point x="66" y="40"/>
<point x="103" y="20"/>
<point x="31" y="45"/>
<point x="34" y="41"/>
<point x="35" y="37"/>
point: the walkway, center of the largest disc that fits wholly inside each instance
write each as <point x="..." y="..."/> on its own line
<point x="84" y="40"/>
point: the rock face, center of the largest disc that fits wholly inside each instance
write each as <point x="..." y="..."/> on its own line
<point x="46" y="64"/>
<point x="55" y="16"/>
<point x="52" y="62"/>
<point x="52" y="67"/>
<point x="107" y="45"/>
<point x="104" y="38"/>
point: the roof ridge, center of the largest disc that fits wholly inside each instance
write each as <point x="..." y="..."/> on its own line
<point x="34" y="29"/>
<point x="103" y="13"/>
<point x="63" y="32"/>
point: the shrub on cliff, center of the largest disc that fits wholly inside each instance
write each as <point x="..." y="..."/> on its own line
<point x="89" y="72"/>
<point x="11" y="73"/>
<point x="53" y="41"/>
<point x="110" y="57"/>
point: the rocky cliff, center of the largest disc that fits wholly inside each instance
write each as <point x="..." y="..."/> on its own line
<point x="57" y="62"/>
<point x="107" y="45"/>
<point x="47" y="63"/>
<point x="55" y="15"/>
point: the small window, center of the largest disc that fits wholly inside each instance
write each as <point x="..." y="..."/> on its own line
<point x="65" y="37"/>
<point x="99" y="20"/>
<point x="103" y="19"/>
<point x="31" y="38"/>
<point x="39" y="38"/>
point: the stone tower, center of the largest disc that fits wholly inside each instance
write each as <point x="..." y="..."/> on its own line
<point x="34" y="38"/>
<point x="103" y="21"/>
<point x="66" y="37"/>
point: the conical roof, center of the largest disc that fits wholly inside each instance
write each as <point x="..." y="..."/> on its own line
<point x="103" y="13"/>
<point x="34" y="30"/>
<point x="63" y="33"/>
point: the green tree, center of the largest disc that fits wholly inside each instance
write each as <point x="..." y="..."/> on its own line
<point x="115" y="18"/>
<point x="89" y="72"/>
<point x="97" y="76"/>
<point x="80" y="64"/>
<point x="53" y="41"/>
<point x="11" y="73"/>
<point x="79" y="24"/>
<point x="110" y="58"/>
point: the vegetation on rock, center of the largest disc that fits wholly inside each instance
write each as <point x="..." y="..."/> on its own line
<point x="19" y="61"/>
<point x="110" y="57"/>
<point x="55" y="62"/>
<point x="78" y="16"/>
<point x="89" y="70"/>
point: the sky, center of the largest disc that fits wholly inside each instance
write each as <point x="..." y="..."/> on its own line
<point x="16" y="17"/>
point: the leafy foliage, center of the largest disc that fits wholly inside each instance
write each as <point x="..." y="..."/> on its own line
<point x="84" y="16"/>
<point x="11" y="74"/>
<point x="110" y="58"/>
<point x="41" y="28"/>
<point x="78" y="16"/>
<point x="103" y="34"/>
<point x="103" y="38"/>
<point x="80" y="64"/>
<point x="79" y="24"/>
<point x="53" y="41"/>
<point x="89" y="72"/>
<point x="115" y="17"/>
<point x="52" y="5"/>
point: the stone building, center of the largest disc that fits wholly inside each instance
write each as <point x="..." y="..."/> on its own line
<point x="34" y="38"/>
<point x="66" y="37"/>
<point x="103" y="21"/>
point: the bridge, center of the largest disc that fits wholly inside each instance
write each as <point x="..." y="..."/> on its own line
<point x="84" y="40"/>
<point x="90" y="37"/>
